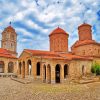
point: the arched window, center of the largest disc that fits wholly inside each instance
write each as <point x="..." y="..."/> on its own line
<point x="98" y="51"/>
<point x="83" y="52"/>
<point x="12" y="37"/>
<point x="83" y="70"/>
<point x="65" y="70"/>
<point x="10" y="67"/>
<point x="11" y="45"/>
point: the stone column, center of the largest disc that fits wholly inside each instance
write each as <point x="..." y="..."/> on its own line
<point x="34" y="69"/>
<point x="23" y="70"/>
<point x="53" y="74"/>
<point x="41" y="71"/>
<point x="62" y="74"/>
<point x="47" y="74"/>
<point x="26" y="69"/>
<point x="18" y="70"/>
<point x="6" y="67"/>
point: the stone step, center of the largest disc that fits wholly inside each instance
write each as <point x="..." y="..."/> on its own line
<point x="24" y="81"/>
<point x="8" y="75"/>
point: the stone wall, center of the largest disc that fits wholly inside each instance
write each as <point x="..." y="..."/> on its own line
<point x="75" y="68"/>
<point x="59" y="42"/>
<point x="6" y="62"/>
<point x="87" y="50"/>
<point x="85" y="32"/>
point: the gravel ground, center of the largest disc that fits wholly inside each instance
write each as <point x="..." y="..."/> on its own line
<point x="12" y="90"/>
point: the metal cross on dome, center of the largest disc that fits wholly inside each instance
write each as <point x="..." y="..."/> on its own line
<point x="59" y="2"/>
<point x="10" y="23"/>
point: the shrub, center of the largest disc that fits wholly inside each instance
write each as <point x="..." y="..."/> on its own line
<point x="96" y="68"/>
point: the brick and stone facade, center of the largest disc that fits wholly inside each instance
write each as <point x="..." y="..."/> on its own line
<point x="86" y="46"/>
<point x="85" y="32"/>
<point x="58" y="64"/>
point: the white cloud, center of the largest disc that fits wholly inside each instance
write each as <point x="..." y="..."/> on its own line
<point x="23" y="32"/>
<point x="67" y="14"/>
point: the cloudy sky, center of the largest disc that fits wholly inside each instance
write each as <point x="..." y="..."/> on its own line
<point x="33" y="20"/>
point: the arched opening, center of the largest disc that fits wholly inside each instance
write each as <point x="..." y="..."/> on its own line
<point x="38" y="69"/>
<point x="10" y="67"/>
<point x="65" y="71"/>
<point x="29" y="69"/>
<point x="44" y="73"/>
<point x="83" y="70"/>
<point x="57" y="73"/>
<point x="1" y="67"/>
<point x="48" y="74"/>
<point x="20" y="68"/>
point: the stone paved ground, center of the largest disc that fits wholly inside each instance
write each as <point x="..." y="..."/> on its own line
<point x="12" y="90"/>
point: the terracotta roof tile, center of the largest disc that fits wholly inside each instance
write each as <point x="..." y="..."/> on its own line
<point x="58" y="30"/>
<point x="85" y="42"/>
<point x="6" y="53"/>
<point x="75" y="57"/>
<point x="84" y="24"/>
<point x="10" y="27"/>
<point x="39" y="52"/>
<point x="54" y="55"/>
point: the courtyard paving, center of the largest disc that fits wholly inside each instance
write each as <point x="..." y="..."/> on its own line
<point x="12" y="90"/>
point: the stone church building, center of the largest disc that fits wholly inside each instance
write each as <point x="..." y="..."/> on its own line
<point x="53" y="66"/>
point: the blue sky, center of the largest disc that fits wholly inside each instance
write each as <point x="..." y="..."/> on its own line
<point x="33" y="20"/>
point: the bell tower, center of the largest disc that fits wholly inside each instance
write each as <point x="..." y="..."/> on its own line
<point x="9" y="40"/>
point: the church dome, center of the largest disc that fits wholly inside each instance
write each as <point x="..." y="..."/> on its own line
<point x="84" y="24"/>
<point x="58" y="40"/>
<point x="10" y="28"/>
<point x="57" y="31"/>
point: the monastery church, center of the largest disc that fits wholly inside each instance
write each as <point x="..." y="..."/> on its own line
<point x="53" y="66"/>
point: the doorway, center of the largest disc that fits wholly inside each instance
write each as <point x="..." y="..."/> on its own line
<point x="57" y="73"/>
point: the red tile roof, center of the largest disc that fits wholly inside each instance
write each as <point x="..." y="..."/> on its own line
<point x="84" y="24"/>
<point x="75" y="57"/>
<point x="57" y="31"/>
<point x="10" y="27"/>
<point x="85" y="42"/>
<point x="42" y="53"/>
<point x="5" y="53"/>
<point x="55" y="55"/>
